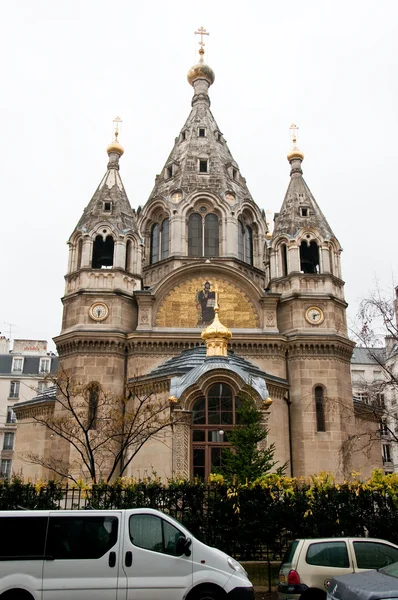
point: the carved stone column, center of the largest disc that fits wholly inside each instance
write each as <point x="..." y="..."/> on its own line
<point x="181" y="442"/>
<point x="145" y="301"/>
<point x="269" y="304"/>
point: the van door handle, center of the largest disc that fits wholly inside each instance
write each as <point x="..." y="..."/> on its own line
<point x="128" y="559"/>
<point x="112" y="559"/>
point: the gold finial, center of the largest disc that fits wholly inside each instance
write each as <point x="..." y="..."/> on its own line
<point x="116" y="122"/>
<point x="268" y="214"/>
<point x="295" y="152"/>
<point x="201" y="31"/>
<point x="293" y="133"/>
<point x="216" y="335"/>
<point x="115" y="146"/>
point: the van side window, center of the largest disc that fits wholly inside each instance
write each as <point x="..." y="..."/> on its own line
<point x="373" y="555"/>
<point x="328" y="554"/>
<point x="73" y="537"/>
<point x="153" y="533"/>
<point x="22" y="537"/>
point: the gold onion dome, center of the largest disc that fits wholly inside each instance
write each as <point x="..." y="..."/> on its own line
<point x="201" y="71"/>
<point x="216" y="330"/>
<point x="115" y="146"/>
<point x="295" y="153"/>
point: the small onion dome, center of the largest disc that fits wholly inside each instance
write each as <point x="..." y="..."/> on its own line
<point x="267" y="402"/>
<point x="115" y="147"/>
<point x="216" y="330"/>
<point x="201" y="71"/>
<point x="295" y="153"/>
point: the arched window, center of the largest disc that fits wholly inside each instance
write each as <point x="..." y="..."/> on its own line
<point x="203" y="235"/>
<point x="129" y="246"/>
<point x="155" y="239"/>
<point x="79" y="253"/>
<point x="319" y="408"/>
<point x="309" y="257"/>
<point x="211" y="235"/>
<point x="213" y="416"/>
<point x="159" y="241"/>
<point x="195" y="235"/>
<point x="164" y="236"/>
<point x="245" y="243"/>
<point x="284" y="259"/>
<point x="93" y="390"/>
<point x="103" y="252"/>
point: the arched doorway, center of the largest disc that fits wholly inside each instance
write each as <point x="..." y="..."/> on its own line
<point x="213" y="416"/>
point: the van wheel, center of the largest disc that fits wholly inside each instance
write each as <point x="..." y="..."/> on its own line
<point x="207" y="595"/>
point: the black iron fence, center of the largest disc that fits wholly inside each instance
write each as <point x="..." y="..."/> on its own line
<point x="248" y="522"/>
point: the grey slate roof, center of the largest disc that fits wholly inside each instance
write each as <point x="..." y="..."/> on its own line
<point x="110" y="189"/>
<point x="31" y="364"/>
<point x="289" y="219"/>
<point x="366" y="356"/>
<point x="48" y="394"/>
<point x="189" y="147"/>
<point x="184" y="370"/>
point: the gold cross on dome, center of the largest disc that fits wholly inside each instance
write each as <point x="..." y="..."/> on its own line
<point x="116" y="122"/>
<point x="293" y="133"/>
<point x="201" y="31"/>
<point x="217" y="291"/>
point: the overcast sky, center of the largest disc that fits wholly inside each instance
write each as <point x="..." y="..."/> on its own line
<point x="68" y="68"/>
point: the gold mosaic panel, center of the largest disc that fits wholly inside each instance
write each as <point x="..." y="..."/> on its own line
<point x="191" y="304"/>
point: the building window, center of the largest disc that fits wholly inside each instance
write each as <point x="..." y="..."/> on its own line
<point x="8" y="443"/>
<point x="213" y="416"/>
<point x="183" y="136"/>
<point x="386" y="453"/>
<point x="234" y="173"/>
<point x="203" y="235"/>
<point x="284" y="259"/>
<point x="159" y="248"/>
<point x="169" y="172"/>
<point x="245" y="243"/>
<point x="14" y="389"/>
<point x="17" y="365"/>
<point x="107" y="206"/>
<point x="5" y="468"/>
<point x="202" y="132"/>
<point x="304" y="211"/>
<point x="93" y="397"/>
<point x="203" y="166"/>
<point x="129" y="246"/>
<point x="79" y="253"/>
<point x="11" y="416"/>
<point x="41" y="386"/>
<point x="45" y="365"/>
<point x="103" y="252"/>
<point x="309" y="257"/>
<point x="320" y="409"/>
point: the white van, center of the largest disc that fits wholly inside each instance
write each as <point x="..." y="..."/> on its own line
<point x="137" y="554"/>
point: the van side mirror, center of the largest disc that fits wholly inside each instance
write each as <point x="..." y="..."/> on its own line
<point x="183" y="545"/>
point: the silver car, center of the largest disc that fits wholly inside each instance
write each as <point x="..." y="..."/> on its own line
<point x="371" y="585"/>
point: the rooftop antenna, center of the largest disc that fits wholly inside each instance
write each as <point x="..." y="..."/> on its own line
<point x="10" y="325"/>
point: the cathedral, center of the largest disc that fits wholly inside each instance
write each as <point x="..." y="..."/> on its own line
<point x="193" y="295"/>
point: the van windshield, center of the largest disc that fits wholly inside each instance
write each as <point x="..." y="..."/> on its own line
<point x="178" y="523"/>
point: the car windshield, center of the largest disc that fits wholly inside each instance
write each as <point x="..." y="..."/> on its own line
<point x="391" y="570"/>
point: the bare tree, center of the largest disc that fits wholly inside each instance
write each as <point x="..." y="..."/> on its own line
<point x="104" y="432"/>
<point x="377" y="332"/>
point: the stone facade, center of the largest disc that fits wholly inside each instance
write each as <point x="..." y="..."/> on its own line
<point x="142" y="284"/>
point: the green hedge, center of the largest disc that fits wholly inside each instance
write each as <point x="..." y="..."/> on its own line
<point x="252" y="522"/>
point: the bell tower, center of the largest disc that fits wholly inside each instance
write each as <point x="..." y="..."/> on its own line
<point x="304" y="270"/>
<point x="104" y="270"/>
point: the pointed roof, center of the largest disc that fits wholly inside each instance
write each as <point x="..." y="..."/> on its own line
<point x="291" y="217"/>
<point x="110" y="190"/>
<point x="201" y="139"/>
